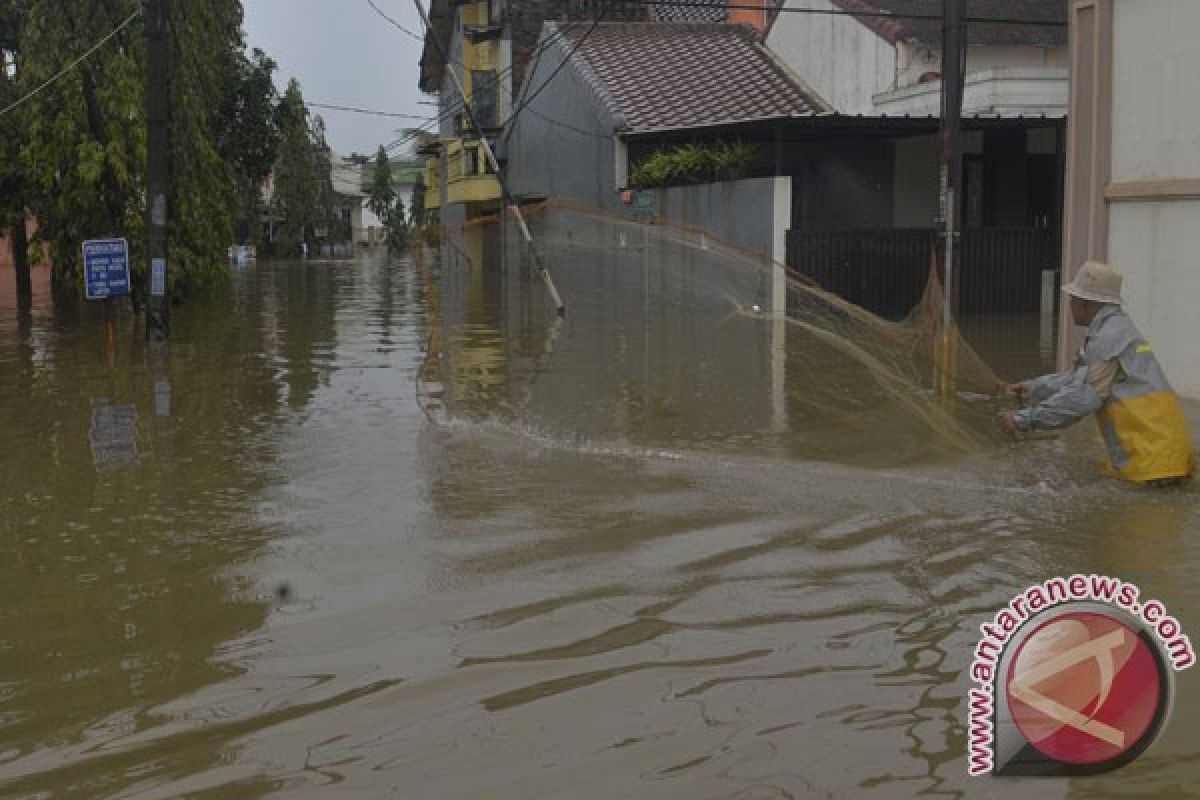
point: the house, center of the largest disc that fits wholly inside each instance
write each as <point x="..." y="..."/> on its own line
<point x="488" y="45"/>
<point x="888" y="61"/>
<point x="629" y="91"/>
<point x="1133" y="175"/>
<point x="348" y="196"/>
<point x="491" y="45"/>
<point x="883" y="63"/>
<point x="622" y="88"/>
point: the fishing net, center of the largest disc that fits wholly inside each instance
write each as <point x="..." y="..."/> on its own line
<point x="674" y="336"/>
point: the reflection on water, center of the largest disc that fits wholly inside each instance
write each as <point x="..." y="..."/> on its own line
<point x="370" y="529"/>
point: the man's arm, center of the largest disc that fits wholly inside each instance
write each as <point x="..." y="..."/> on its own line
<point x="1083" y="392"/>
<point x="1041" y="389"/>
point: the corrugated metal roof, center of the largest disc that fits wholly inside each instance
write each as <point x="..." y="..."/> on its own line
<point x="896" y="123"/>
<point x="661" y="75"/>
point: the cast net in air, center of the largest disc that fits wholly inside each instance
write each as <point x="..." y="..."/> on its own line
<point x="676" y="336"/>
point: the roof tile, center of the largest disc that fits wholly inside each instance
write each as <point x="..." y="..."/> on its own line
<point x="684" y="75"/>
<point x="696" y="11"/>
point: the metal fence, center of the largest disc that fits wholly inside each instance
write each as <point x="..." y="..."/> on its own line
<point x="885" y="270"/>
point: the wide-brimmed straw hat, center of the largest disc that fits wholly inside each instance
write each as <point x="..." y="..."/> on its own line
<point x="1096" y="281"/>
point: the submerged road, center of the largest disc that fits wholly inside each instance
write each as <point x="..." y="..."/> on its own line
<point x="366" y="531"/>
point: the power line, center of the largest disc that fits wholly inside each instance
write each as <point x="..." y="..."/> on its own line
<point x="512" y="120"/>
<point x="73" y="64"/>
<point x="508" y="199"/>
<point x="410" y="136"/>
<point x="381" y="13"/>
<point x="371" y="112"/>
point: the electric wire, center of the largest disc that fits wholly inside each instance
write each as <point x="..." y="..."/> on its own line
<point x="400" y="27"/>
<point x="368" y="111"/>
<point x="512" y="120"/>
<point x="508" y="199"/>
<point x="58" y="75"/>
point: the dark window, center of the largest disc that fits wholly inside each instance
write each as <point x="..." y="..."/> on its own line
<point x="483" y="91"/>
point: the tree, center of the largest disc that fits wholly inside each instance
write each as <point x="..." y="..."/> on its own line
<point x="303" y="197"/>
<point x="13" y="189"/>
<point x="383" y="203"/>
<point x="83" y="137"/>
<point x="248" y="138"/>
<point x="207" y="57"/>
<point x="397" y="227"/>
<point x="381" y="196"/>
<point x="416" y="214"/>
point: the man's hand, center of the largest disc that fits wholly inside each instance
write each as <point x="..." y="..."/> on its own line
<point x="1018" y="392"/>
<point x="1008" y="422"/>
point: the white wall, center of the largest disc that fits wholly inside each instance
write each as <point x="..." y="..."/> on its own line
<point x="1156" y="137"/>
<point x="842" y="60"/>
<point x="1157" y="246"/>
<point x="1156" y="90"/>
<point x="1007" y="91"/>
<point x="917" y="60"/>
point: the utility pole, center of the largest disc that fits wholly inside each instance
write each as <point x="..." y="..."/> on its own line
<point x="20" y="258"/>
<point x="158" y="65"/>
<point x="509" y="200"/>
<point x="954" y="36"/>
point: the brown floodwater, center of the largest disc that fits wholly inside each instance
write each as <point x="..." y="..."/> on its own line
<point x="386" y="529"/>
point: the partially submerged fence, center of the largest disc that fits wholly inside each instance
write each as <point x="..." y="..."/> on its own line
<point x="885" y="270"/>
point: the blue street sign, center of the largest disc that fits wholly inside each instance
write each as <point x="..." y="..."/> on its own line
<point x="106" y="268"/>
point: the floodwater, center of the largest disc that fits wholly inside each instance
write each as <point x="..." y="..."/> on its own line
<point x="387" y="530"/>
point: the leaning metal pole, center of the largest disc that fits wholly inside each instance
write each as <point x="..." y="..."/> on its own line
<point x="491" y="157"/>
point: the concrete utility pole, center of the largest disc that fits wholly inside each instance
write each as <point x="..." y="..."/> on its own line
<point x="158" y="65"/>
<point x="954" y="37"/>
<point x="509" y="200"/>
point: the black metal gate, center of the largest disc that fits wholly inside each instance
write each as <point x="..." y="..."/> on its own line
<point x="885" y="270"/>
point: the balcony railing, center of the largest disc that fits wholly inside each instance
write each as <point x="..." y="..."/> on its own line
<point x="469" y="176"/>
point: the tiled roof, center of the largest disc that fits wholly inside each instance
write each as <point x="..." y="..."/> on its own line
<point x="929" y="31"/>
<point x="682" y="75"/>
<point x="696" y="11"/>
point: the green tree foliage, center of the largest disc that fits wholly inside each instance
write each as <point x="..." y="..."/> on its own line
<point x="383" y="203"/>
<point x="696" y="163"/>
<point x="397" y="227"/>
<point x="13" y="191"/>
<point x="303" y="198"/>
<point x="83" y="138"/>
<point x="381" y="196"/>
<point x="207" y="55"/>
<point x="84" y="135"/>
<point x="249" y="136"/>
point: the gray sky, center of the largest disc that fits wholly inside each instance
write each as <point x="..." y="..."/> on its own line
<point x="343" y="53"/>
